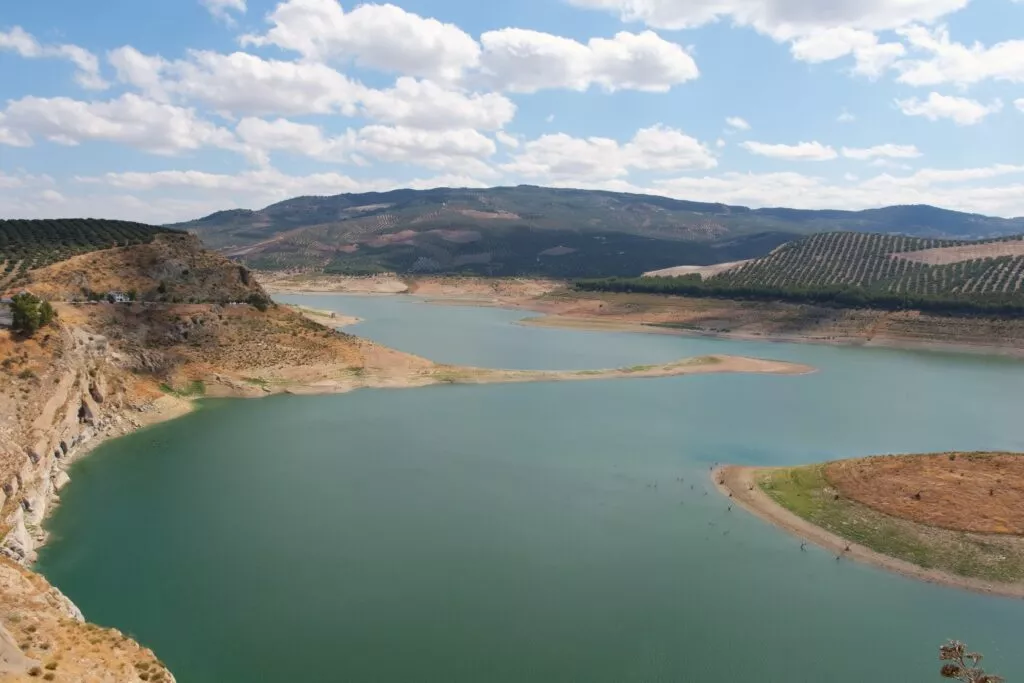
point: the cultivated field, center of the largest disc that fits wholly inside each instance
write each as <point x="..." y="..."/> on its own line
<point x="981" y="492"/>
<point x="967" y="252"/>
<point x="887" y="264"/>
<point x="28" y="244"/>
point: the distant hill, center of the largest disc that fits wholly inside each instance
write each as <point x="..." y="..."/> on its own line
<point x="887" y="271"/>
<point x="543" y="231"/>
<point x="28" y="244"/>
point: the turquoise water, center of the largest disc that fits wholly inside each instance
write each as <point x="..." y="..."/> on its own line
<point x="534" y="532"/>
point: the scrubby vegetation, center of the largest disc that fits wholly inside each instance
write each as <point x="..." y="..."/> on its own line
<point x="28" y="244"/>
<point x="858" y="270"/>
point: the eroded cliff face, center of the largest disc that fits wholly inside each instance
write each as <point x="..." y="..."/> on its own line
<point x="201" y="324"/>
<point x="60" y="394"/>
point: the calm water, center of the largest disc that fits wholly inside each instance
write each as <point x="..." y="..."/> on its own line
<point x="515" y="533"/>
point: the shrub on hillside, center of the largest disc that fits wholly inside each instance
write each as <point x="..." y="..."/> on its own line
<point x="29" y="313"/>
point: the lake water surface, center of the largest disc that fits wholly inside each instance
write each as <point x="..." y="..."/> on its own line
<point x="530" y="532"/>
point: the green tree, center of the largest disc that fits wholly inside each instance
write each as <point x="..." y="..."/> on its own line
<point x="29" y="313"/>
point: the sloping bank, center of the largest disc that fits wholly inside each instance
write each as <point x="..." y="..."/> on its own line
<point x="81" y="387"/>
<point x="940" y="518"/>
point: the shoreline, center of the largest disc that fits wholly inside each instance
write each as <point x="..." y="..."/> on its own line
<point x="610" y="323"/>
<point x="740" y="484"/>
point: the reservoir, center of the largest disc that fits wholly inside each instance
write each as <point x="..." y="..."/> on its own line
<point x="526" y="532"/>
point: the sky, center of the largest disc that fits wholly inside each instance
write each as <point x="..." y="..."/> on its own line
<point x="168" y="110"/>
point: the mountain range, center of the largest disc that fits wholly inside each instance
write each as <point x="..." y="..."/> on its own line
<point x="541" y="231"/>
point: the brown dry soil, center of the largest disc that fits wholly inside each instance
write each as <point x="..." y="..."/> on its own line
<point x="772" y="321"/>
<point x="186" y="271"/>
<point x="980" y="492"/>
<point x="966" y="252"/>
<point x="40" y="642"/>
<point x="962" y="531"/>
<point x="778" y="321"/>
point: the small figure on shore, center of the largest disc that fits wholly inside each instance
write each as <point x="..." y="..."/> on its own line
<point x="847" y="548"/>
<point x="803" y="546"/>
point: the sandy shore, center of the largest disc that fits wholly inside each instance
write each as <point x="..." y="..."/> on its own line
<point x="330" y="319"/>
<point x="589" y="313"/>
<point x="611" y="325"/>
<point x="410" y="372"/>
<point x="740" y="483"/>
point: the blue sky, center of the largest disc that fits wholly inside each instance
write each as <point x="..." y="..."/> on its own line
<point x="171" y="109"/>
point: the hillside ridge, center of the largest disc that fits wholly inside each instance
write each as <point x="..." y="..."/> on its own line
<point x="889" y="272"/>
<point x="531" y="230"/>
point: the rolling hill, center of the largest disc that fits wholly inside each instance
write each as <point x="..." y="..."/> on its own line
<point x="885" y="271"/>
<point x="542" y="231"/>
<point x="28" y="244"/>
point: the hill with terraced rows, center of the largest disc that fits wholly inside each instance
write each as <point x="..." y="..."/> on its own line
<point x="889" y="264"/>
<point x="30" y="244"/>
<point x="854" y="269"/>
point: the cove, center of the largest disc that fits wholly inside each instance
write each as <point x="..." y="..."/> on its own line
<point x="525" y="532"/>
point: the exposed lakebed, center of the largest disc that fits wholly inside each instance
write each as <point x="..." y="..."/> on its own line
<point x="534" y="532"/>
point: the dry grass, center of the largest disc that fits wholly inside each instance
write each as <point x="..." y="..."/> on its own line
<point x="807" y="492"/>
<point x="177" y="262"/>
<point x="56" y="647"/>
<point x="977" y="492"/>
<point x="946" y="255"/>
<point x="703" y="271"/>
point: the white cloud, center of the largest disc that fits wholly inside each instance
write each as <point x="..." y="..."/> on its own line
<point x="261" y="137"/>
<point x="424" y="104"/>
<point x="239" y="83"/>
<point x="960" y="175"/>
<point x="221" y="9"/>
<point x="172" y="195"/>
<point x="845" y="117"/>
<point x="88" y="75"/>
<point x="388" y="38"/>
<point x="888" y="151"/>
<point x="22" y="179"/>
<point x="928" y="186"/>
<point x="782" y="19"/>
<point x="737" y="123"/>
<point x="11" y="137"/>
<point x="802" y="151"/>
<point x="956" y="63"/>
<point x="525" y="61"/>
<point x="507" y="140"/>
<point x="129" y="119"/>
<point x="871" y="57"/>
<point x="561" y="157"/>
<point x="961" y="110"/>
<point x="1019" y="103"/>
<point x="449" y="150"/>
<point x="384" y="37"/>
<point x="719" y="143"/>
